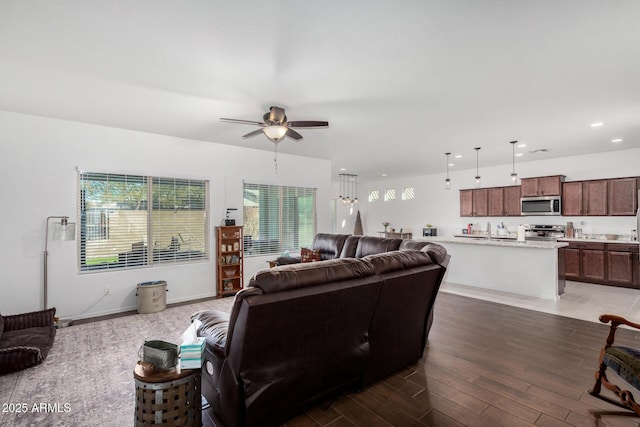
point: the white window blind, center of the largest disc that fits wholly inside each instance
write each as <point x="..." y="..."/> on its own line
<point x="278" y="218"/>
<point x="119" y="229"/>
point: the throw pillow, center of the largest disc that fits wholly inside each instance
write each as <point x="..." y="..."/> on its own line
<point x="309" y="255"/>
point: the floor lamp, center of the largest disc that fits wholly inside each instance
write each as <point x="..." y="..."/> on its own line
<point x="62" y="230"/>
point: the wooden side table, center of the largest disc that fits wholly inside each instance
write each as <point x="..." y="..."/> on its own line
<point x="169" y="398"/>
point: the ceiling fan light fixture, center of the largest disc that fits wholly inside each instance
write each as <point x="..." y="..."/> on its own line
<point x="275" y="132"/>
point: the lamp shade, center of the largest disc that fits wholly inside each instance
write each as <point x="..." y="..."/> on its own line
<point x="64" y="231"/>
<point x="275" y="133"/>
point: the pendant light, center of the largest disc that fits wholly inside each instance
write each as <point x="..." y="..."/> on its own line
<point x="447" y="182"/>
<point x="348" y="189"/>
<point x="514" y="175"/>
<point x="477" y="173"/>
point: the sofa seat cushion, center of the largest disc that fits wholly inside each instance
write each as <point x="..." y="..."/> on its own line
<point x="295" y="276"/>
<point x="397" y="260"/>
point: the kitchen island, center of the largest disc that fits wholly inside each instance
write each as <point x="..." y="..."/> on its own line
<point x="530" y="268"/>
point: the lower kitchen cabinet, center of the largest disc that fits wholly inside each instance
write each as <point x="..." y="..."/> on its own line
<point x="613" y="264"/>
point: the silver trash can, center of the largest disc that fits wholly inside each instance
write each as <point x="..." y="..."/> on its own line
<point x="152" y="296"/>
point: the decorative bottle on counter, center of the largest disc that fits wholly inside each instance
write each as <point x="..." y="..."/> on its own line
<point x="569" y="230"/>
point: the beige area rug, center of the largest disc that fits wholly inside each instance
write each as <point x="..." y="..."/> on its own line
<point x="87" y="379"/>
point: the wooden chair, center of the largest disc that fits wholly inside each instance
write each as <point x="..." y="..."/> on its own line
<point x="624" y="361"/>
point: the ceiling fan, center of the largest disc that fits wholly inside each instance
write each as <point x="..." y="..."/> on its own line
<point x="275" y="126"/>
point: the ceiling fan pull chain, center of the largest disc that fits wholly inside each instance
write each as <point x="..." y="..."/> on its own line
<point x="275" y="158"/>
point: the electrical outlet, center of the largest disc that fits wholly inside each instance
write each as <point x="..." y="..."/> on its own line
<point x="107" y="290"/>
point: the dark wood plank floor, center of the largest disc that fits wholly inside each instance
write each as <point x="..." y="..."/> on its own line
<point x="490" y="365"/>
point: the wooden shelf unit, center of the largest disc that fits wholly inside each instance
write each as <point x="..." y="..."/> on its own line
<point x="230" y="263"/>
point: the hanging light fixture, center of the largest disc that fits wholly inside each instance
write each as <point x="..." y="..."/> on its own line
<point x="514" y="175"/>
<point x="447" y="182"/>
<point x="275" y="133"/>
<point x="477" y="174"/>
<point x="348" y="189"/>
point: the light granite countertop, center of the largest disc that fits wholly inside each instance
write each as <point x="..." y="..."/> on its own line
<point x="484" y="241"/>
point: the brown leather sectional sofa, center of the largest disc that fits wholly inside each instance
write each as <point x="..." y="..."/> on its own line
<point x="304" y="332"/>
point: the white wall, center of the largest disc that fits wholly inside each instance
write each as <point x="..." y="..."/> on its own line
<point x="441" y="208"/>
<point x="39" y="158"/>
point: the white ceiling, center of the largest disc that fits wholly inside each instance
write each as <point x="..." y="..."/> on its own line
<point x="400" y="82"/>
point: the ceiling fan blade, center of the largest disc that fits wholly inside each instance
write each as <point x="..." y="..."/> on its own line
<point x="293" y="134"/>
<point x="276" y="115"/>
<point x="254" y="133"/>
<point x="245" y="122"/>
<point x="307" y="124"/>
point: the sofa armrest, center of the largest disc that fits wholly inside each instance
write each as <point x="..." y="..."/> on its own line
<point x="33" y="319"/>
<point x="214" y="328"/>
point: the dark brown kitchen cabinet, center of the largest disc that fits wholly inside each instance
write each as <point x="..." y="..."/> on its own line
<point x="623" y="196"/>
<point x="512" y="200"/>
<point x="474" y="202"/>
<point x="622" y="265"/>
<point x="480" y="199"/>
<point x="466" y="202"/>
<point x="572" y="263"/>
<point x="572" y="198"/>
<point x="595" y="197"/>
<point x="542" y="186"/>
<point x="495" y="201"/>
<point x="593" y="265"/>
<point x="613" y="264"/>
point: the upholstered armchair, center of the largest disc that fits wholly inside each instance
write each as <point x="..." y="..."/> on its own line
<point x="624" y="361"/>
<point x="25" y="339"/>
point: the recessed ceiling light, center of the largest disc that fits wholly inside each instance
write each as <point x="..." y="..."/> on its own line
<point x="522" y="145"/>
<point x="451" y="164"/>
<point x="616" y="140"/>
<point x="596" y="124"/>
<point x="458" y="156"/>
<point x="343" y="169"/>
<point x="519" y="155"/>
<point x="385" y="174"/>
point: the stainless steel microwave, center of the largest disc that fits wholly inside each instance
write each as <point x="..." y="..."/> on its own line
<point x="543" y="205"/>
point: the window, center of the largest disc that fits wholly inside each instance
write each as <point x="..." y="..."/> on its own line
<point x="390" y="194"/>
<point x="117" y="223"/>
<point x="373" y="196"/>
<point x="408" y="193"/>
<point x="278" y="218"/>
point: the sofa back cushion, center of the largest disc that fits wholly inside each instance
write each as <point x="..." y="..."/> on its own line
<point x="397" y="260"/>
<point x="294" y="276"/>
<point x="329" y="245"/>
<point x="413" y="245"/>
<point x="438" y="253"/>
<point x="350" y="246"/>
<point x="368" y="245"/>
<point x="1" y="325"/>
